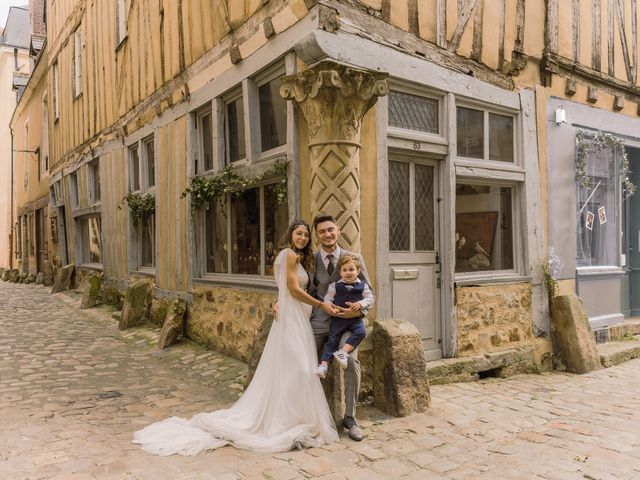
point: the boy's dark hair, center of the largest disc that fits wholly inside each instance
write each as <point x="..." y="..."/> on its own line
<point x="349" y="259"/>
<point x="322" y="217"/>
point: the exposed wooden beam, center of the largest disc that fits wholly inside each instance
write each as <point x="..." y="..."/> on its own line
<point x="464" y="14"/>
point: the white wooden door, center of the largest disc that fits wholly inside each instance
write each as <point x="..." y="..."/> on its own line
<point x="413" y="247"/>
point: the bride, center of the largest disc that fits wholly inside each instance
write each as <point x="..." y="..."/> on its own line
<point x="284" y="406"/>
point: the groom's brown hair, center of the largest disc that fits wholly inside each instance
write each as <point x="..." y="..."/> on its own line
<point x="322" y="217"/>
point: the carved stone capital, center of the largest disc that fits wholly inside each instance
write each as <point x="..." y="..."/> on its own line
<point x="333" y="99"/>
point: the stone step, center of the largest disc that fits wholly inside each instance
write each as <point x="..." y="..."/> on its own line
<point x="614" y="353"/>
<point x="497" y="364"/>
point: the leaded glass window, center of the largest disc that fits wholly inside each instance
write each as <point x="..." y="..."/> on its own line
<point x="399" y="220"/>
<point x="413" y="112"/>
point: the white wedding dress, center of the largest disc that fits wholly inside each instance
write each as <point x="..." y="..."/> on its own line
<point x="284" y="405"/>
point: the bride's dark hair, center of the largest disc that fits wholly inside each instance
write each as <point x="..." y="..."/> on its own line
<point x="305" y="255"/>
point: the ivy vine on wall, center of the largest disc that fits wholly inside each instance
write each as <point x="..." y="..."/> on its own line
<point x="139" y="205"/>
<point x="586" y="141"/>
<point x="202" y="190"/>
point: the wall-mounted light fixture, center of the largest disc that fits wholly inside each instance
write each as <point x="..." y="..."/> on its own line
<point x="561" y="115"/>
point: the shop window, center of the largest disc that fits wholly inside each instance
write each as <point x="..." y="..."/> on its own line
<point x="273" y="116"/>
<point x="484" y="135"/>
<point x="134" y="168"/>
<point x="90" y="229"/>
<point x="150" y="161"/>
<point x="597" y="210"/>
<point x="413" y="112"/>
<point x="73" y="183"/>
<point x="242" y="233"/>
<point x="147" y="235"/>
<point x="234" y="130"/>
<point x="484" y="227"/>
<point x="204" y="160"/>
<point x="94" y="181"/>
<point x="142" y="179"/>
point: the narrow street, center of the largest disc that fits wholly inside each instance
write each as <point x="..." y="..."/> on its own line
<point x="73" y="389"/>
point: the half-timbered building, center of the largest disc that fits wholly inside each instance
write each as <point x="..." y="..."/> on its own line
<point x="442" y="134"/>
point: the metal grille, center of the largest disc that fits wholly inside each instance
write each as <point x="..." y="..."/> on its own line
<point x="424" y="222"/>
<point x="413" y="112"/>
<point x="399" y="206"/>
<point x="602" y="336"/>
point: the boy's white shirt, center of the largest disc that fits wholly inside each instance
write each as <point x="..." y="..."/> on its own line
<point x="367" y="294"/>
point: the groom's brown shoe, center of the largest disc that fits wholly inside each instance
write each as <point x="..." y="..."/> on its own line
<point x="355" y="432"/>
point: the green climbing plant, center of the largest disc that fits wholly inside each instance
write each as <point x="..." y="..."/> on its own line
<point x="202" y="190"/>
<point x="139" y="205"/>
<point x="588" y="141"/>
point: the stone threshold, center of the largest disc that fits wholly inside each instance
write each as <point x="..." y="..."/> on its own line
<point x="496" y="364"/>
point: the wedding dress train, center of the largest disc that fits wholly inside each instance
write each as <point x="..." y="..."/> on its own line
<point x="284" y="405"/>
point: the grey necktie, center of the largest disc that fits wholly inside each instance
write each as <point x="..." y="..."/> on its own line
<point x="330" y="266"/>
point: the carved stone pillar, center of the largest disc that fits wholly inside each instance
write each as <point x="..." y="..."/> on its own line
<point x="333" y="99"/>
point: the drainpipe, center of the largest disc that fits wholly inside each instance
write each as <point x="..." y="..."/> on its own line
<point x="13" y="232"/>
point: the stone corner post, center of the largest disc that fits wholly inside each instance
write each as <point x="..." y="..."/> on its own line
<point x="333" y="99"/>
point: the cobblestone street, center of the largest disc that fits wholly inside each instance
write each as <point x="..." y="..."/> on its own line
<point x="73" y="388"/>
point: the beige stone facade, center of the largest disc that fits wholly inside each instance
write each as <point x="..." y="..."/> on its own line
<point x="493" y="318"/>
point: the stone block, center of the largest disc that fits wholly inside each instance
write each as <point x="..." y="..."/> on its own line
<point x="91" y="291"/>
<point x="63" y="279"/>
<point x="31" y="278"/>
<point x="14" y="275"/>
<point x="135" y="309"/>
<point x="573" y="341"/>
<point x="2" y="269"/>
<point x="22" y="278"/>
<point x="173" y="324"/>
<point x="400" y="382"/>
<point x="48" y="274"/>
<point x="40" y="278"/>
<point x="159" y="309"/>
<point x="5" y="275"/>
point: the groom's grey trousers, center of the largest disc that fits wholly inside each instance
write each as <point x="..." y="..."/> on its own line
<point x="320" y="321"/>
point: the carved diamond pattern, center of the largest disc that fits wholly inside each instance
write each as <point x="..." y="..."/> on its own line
<point x="332" y="204"/>
<point x="424" y="221"/>
<point x="332" y="165"/>
<point x="413" y="112"/>
<point x="399" y="206"/>
<point x="350" y="187"/>
<point x="350" y="233"/>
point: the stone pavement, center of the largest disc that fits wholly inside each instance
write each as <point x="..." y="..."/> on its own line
<point x="73" y="389"/>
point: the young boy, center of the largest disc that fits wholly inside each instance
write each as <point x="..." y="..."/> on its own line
<point x="349" y="293"/>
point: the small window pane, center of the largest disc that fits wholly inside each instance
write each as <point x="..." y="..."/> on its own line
<point x="470" y="125"/>
<point x="134" y="170"/>
<point x="245" y="232"/>
<point x="147" y="240"/>
<point x="413" y="112"/>
<point x="273" y="116"/>
<point x="484" y="227"/>
<point x="500" y="137"/>
<point x="206" y="142"/>
<point x="275" y="225"/>
<point x="151" y="162"/>
<point x="95" y="181"/>
<point x="91" y="240"/>
<point x="235" y="131"/>
<point x="399" y="206"/>
<point x="424" y="205"/>
<point x="216" y="238"/>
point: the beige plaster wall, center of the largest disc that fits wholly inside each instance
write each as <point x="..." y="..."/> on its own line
<point x="493" y="318"/>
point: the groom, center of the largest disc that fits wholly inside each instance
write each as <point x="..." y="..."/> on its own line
<point x="326" y="272"/>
